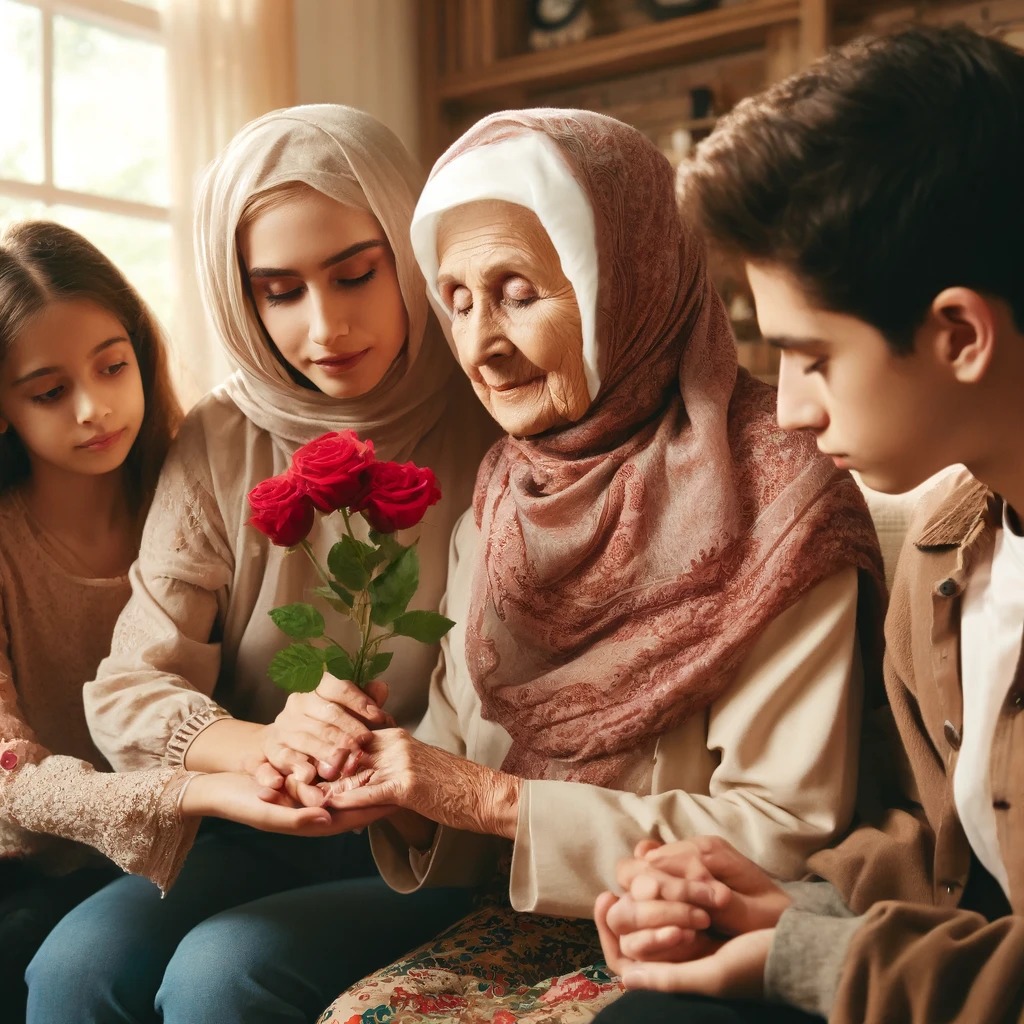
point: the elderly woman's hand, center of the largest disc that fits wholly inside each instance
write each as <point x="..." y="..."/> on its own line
<point x="400" y="770"/>
<point x="318" y="735"/>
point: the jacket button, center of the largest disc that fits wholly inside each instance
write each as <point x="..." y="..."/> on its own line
<point x="949" y="588"/>
<point x="1017" y="700"/>
<point x="950" y="887"/>
<point x="949" y="730"/>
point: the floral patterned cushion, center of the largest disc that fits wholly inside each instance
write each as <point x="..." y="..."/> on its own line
<point x="493" y="967"/>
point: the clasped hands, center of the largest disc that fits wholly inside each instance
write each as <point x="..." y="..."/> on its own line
<point x="694" y="916"/>
<point x="336" y="748"/>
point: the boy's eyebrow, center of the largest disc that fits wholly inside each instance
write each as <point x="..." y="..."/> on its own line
<point x="44" y="370"/>
<point x="789" y="341"/>
<point x="338" y="257"/>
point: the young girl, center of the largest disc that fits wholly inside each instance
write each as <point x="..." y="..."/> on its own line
<point x="86" y="416"/>
<point x="307" y="272"/>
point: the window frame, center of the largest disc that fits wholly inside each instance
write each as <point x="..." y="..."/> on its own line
<point x="125" y="18"/>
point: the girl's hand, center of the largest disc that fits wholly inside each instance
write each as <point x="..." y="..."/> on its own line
<point x="316" y="735"/>
<point x="397" y="769"/>
<point x="237" y="797"/>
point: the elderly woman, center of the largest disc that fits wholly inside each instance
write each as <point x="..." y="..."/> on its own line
<point x="655" y="591"/>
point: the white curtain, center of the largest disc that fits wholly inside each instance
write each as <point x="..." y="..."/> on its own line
<point x="229" y="61"/>
<point x="363" y="53"/>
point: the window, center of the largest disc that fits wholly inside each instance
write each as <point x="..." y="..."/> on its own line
<point x="85" y="136"/>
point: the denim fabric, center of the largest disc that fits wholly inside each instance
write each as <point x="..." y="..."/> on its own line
<point x="257" y="928"/>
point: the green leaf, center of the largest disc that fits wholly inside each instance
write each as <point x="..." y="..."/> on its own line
<point x="377" y="664"/>
<point x="389" y="547"/>
<point x="393" y="589"/>
<point x="345" y="560"/>
<point x="427" y="627"/>
<point x="298" y="668"/>
<point x="339" y="664"/>
<point x="300" y="621"/>
<point x="337" y="597"/>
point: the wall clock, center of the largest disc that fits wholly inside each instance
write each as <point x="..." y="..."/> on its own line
<point x="557" y="22"/>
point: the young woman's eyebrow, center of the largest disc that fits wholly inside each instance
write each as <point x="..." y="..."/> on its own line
<point x="338" y="257"/>
<point x="42" y="371"/>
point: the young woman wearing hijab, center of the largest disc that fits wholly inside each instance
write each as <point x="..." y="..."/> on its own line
<point x="656" y="591"/>
<point x="308" y="275"/>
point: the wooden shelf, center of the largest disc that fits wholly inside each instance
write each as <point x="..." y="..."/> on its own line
<point x="708" y="34"/>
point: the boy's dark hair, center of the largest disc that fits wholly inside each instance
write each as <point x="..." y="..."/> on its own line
<point x="41" y="263"/>
<point x="889" y="170"/>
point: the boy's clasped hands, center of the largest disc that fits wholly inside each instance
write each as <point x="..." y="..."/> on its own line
<point x="694" y="916"/>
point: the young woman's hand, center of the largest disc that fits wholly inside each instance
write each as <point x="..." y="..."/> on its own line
<point x="317" y="735"/>
<point x="399" y="770"/>
<point x="238" y="797"/>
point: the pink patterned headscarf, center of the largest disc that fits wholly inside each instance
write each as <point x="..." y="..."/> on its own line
<point x="630" y="561"/>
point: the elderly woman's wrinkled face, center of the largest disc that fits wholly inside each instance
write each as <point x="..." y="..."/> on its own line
<point x="515" y="320"/>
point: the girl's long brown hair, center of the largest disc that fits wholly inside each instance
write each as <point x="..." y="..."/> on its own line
<point x="42" y="262"/>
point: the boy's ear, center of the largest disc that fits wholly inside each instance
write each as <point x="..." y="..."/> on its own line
<point x="964" y="326"/>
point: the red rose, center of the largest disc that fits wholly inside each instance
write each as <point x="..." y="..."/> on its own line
<point x="331" y="469"/>
<point x="281" y="510"/>
<point x="398" y="496"/>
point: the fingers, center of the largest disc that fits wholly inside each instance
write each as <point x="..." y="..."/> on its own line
<point x="265" y="774"/>
<point x="630" y="915"/>
<point x="684" y="861"/>
<point x="304" y="793"/>
<point x="609" y="940"/>
<point x="358" y="797"/>
<point x="377" y="690"/>
<point x="348" y="697"/>
<point x="700" y="976"/>
<point x="286" y="760"/>
<point x="712" y="854"/>
<point x="646" y="846"/>
<point x="668" y="944"/>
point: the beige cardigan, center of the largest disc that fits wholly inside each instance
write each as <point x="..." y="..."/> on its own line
<point x="772" y="767"/>
<point x="195" y="639"/>
<point x="55" y="625"/>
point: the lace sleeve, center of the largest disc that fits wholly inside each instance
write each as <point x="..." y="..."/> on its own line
<point x="152" y="695"/>
<point x="130" y="817"/>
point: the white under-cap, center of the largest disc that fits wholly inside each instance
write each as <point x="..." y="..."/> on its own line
<point x="529" y="171"/>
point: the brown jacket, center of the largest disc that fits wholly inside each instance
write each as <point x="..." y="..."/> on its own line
<point x="937" y="940"/>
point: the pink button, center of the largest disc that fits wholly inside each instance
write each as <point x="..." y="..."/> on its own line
<point x="8" y="760"/>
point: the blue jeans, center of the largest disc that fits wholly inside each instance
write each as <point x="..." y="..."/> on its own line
<point x="251" y="931"/>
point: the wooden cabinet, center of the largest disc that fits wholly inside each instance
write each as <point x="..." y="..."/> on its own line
<point x="475" y="57"/>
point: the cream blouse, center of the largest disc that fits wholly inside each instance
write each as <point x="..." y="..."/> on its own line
<point x="195" y="639"/>
<point x="772" y="767"/>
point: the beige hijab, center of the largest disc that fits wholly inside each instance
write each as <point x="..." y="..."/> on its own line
<point x="330" y="148"/>
<point x="630" y="561"/>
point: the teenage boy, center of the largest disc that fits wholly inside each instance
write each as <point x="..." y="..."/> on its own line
<point x="878" y="201"/>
